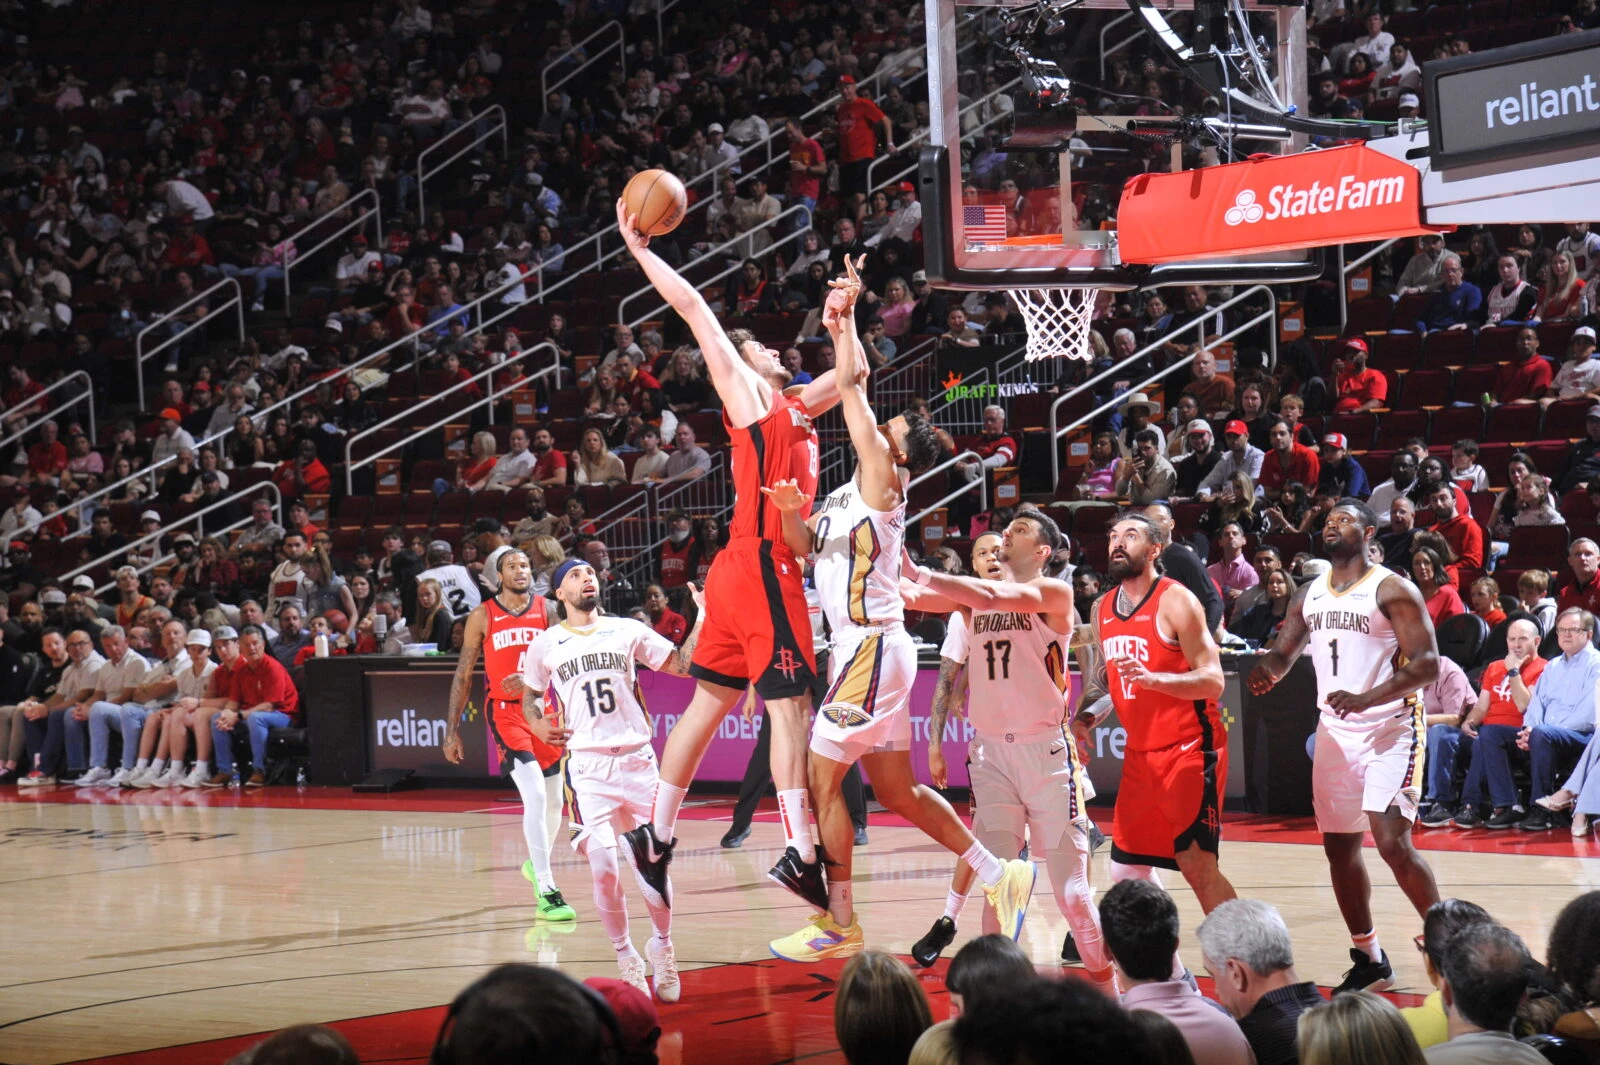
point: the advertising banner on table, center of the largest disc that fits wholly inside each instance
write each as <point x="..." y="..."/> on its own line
<point x="407" y="710"/>
<point x="1269" y="203"/>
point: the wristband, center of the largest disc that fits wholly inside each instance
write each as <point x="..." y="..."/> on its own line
<point x="922" y="575"/>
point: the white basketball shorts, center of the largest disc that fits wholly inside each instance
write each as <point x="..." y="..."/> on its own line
<point x="1029" y="782"/>
<point x="1367" y="768"/>
<point x="868" y="705"/>
<point x="608" y="793"/>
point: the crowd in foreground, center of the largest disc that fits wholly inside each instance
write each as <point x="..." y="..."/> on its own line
<point x="1492" y="1003"/>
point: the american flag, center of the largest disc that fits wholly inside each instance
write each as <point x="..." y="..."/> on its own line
<point x="986" y="224"/>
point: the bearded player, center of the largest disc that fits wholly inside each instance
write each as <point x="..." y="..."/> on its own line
<point x="501" y="629"/>
<point x="1151" y="652"/>
<point x="757" y="626"/>
<point x="1373" y="647"/>
<point x="1022" y="763"/>
<point x="591" y="659"/>
<point x="857" y="534"/>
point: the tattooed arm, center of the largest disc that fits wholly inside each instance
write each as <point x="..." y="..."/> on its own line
<point x="461" y="684"/>
<point x="948" y="692"/>
<point x="678" y="662"/>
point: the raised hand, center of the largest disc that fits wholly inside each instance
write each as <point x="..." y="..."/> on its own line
<point x="698" y="594"/>
<point x="786" y="496"/>
<point x="629" y="226"/>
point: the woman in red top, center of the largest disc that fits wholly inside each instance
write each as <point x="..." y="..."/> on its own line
<point x="480" y="465"/>
<point x="665" y="620"/>
<point x="1441" y="600"/>
<point x="1485" y="595"/>
<point x="1566" y="298"/>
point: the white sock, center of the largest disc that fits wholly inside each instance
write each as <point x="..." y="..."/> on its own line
<point x="1120" y="872"/>
<point x="983" y="862"/>
<point x="530" y="785"/>
<point x="608" y="897"/>
<point x="841" y="902"/>
<point x="664" y="815"/>
<point x="1369" y="943"/>
<point x="143" y="763"/>
<point x="794" y="809"/>
<point x="203" y="768"/>
<point x="953" y="904"/>
<point x="158" y="766"/>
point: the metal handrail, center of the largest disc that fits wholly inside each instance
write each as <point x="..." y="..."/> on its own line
<point x="339" y="374"/>
<point x="1125" y="16"/>
<point x="791" y="235"/>
<point x="1147" y="350"/>
<point x="545" y="88"/>
<point x="351" y="466"/>
<point x="360" y="220"/>
<point x="165" y="529"/>
<point x="1271" y="314"/>
<point x="235" y="301"/>
<point x="982" y="484"/>
<point x="505" y="148"/>
<point x="51" y="412"/>
<point x="1345" y="270"/>
<point x="923" y="135"/>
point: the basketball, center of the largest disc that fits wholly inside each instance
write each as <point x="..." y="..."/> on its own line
<point x="657" y="200"/>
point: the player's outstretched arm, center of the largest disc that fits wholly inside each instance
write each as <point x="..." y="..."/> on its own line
<point x="1290" y="642"/>
<point x="880" y="480"/>
<point x="1181" y="613"/>
<point x="1402" y="604"/>
<point x="789" y="500"/>
<point x="678" y="661"/>
<point x="1044" y="596"/>
<point x="461" y="683"/>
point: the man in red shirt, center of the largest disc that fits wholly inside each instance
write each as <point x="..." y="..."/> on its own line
<point x="21" y="388"/>
<point x="189" y="248"/>
<point x="48" y="457"/>
<point x="262" y="697"/>
<point x="807" y="166"/>
<point x="1464" y="535"/>
<point x="1357" y="387"/>
<point x="1527" y="379"/>
<point x="1287" y="460"/>
<point x="995" y="448"/>
<point x="858" y="139"/>
<point x="1583" y="558"/>
<point x="550" y="464"/>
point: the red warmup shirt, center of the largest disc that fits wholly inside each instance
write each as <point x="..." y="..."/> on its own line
<point x="1522" y="380"/>
<point x="1354" y="389"/>
<point x="802" y="184"/>
<point x="1001" y="445"/>
<point x="47" y="460"/>
<point x="1465" y="538"/>
<point x="265" y="682"/>
<point x="1304" y="466"/>
<point x="1586" y="596"/>
<point x="858" y="137"/>
<point x="672" y="625"/>
<point x="1502" y="711"/>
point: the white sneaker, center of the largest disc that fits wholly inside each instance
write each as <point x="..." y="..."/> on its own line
<point x="664" y="969"/>
<point x="196" y="779"/>
<point x="36" y="779"/>
<point x="632" y="967"/>
<point x="140" y="778"/>
<point x="94" y="778"/>
<point x="257" y="306"/>
<point x="122" y="778"/>
<point x="172" y="778"/>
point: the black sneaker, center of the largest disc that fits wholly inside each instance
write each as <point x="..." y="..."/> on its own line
<point x="735" y="837"/>
<point x="1538" y="820"/>
<point x="861" y="835"/>
<point x="1503" y="818"/>
<point x="1366" y="974"/>
<point x="805" y="879"/>
<point x="926" y="950"/>
<point x="1437" y="815"/>
<point x="651" y="857"/>
<point x="1469" y="817"/>
<point x="1069" y="952"/>
<point x="1097" y="838"/>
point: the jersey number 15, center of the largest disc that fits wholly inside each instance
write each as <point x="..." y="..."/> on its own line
<point x="600" y="696"/>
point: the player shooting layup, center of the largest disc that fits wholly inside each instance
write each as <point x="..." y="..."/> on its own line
<point x="757" y="626"/>
<point x="1373" y="646"/>
<point x="857" y="534"/>
<point x="610" y="766"/>
<point x="502" y="628"/>
<point x="1152" y="653"/>
<point x="1022" y="764"/>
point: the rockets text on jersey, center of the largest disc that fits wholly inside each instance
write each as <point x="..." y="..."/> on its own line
<point x="1153" y="720"/>
<point x="507" y="639"/>
<point x="781" y="446"/>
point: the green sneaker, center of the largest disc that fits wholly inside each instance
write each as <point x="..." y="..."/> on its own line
<point x="552" y="906"/>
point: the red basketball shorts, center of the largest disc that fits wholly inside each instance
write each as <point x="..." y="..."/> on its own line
<point x="757" y="626"/>
<point x="1169" y="799"/>
<point x="516" y="739"/>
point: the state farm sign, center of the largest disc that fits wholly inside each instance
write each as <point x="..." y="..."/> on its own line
<point x="1269" y="203"/>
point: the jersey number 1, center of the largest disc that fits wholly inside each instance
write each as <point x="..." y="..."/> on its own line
<point x="1333" y="657"/>
<point x="601" y="699"/>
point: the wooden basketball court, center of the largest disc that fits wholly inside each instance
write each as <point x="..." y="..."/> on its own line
<point x="138" y="924"/>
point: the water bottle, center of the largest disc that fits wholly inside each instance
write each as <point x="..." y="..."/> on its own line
<point x="300" y="777"/>
<point x="321" y="644"/>
<point x="380" y="626"/>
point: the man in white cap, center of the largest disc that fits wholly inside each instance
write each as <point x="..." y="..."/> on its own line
<point x="461" y="593"/>
<point x="1579" y="376"/>
<point x="722" y="151"/>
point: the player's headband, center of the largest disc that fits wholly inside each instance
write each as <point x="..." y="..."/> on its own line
<point x="562" y="570"/>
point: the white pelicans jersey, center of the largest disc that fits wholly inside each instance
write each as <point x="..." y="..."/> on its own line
<point x="857" y="559"/>
<point x="1353" y="647"/>
<point x="1016" y="673"/>
<point x="593" y="671"/>
<point x="461" y="594"/>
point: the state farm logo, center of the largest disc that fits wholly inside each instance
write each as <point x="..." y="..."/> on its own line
<point x="1292" y="201"/>
<point x="1244" y="209"/>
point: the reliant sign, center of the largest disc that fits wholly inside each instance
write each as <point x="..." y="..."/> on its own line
<point x="1269" y="203"/>
<point x="1538" y="96"/>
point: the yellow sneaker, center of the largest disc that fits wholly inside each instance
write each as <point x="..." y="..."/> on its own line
<point x="1010" y="895"/>
<point x="821" y="938"/>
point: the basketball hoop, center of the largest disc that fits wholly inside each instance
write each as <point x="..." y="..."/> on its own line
<point x="1057" y="320"/>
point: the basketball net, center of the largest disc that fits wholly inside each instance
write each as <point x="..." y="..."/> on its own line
<point x="1057" y="320"/>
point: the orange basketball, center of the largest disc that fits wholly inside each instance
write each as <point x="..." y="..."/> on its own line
<point x="657" y="200"/>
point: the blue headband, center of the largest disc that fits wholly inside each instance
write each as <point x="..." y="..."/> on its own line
<point x="562" y="570"/>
